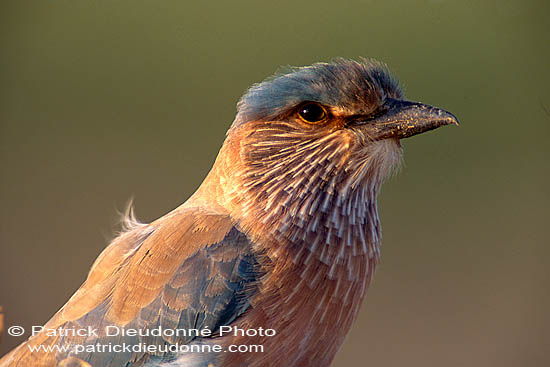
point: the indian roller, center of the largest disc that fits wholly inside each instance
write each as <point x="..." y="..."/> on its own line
<point x="275" y="249"/>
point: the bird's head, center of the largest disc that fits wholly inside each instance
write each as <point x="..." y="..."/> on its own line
<point x="329" y="127"/>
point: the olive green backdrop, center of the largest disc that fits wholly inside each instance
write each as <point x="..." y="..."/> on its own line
<point x="101" y="101"/>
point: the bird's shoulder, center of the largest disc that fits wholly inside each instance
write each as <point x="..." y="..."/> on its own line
<point x="191" y="269"/>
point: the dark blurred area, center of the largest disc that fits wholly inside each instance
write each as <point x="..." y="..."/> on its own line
<point x="104" y="101"/>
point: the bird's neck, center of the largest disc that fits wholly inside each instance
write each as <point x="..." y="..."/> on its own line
<point x="307" y="199"/>
<point x="322" y="234"/>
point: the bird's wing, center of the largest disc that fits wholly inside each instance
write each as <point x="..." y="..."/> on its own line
<point x="189" y="270"/>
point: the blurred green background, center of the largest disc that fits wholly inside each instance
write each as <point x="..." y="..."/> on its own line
<point x="102" y="101"/>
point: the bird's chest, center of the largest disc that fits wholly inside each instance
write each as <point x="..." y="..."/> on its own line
<point x="309" y="307"/>
<point x="308" y="318"/>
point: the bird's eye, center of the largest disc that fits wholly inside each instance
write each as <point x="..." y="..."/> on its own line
<point x="312" y="113"/>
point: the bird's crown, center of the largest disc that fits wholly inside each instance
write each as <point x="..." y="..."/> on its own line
<point x="356" y="88"/>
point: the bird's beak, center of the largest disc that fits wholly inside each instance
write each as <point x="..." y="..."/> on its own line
<point x="401" y="119"/>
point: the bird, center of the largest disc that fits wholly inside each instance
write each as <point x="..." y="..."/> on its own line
<point x="274" y="250"/>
